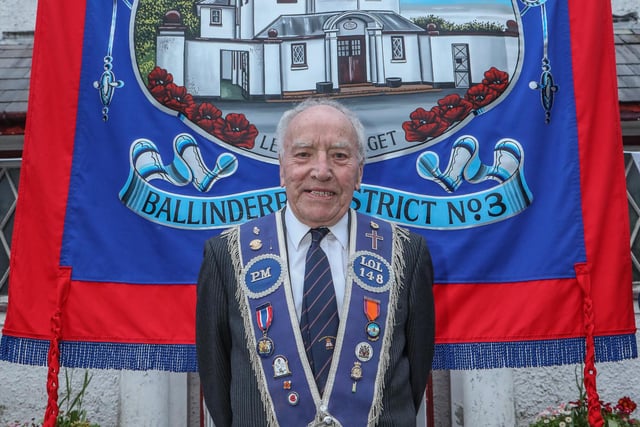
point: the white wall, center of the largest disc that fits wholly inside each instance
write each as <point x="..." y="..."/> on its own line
<point x="23" y="393"/>
<point x="17" y="15"/>
<point x="620" y="7"/>
<point x="540" y="388"/>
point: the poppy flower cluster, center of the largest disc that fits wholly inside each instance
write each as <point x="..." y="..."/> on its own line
<point x="625" y="406"/>
<point x="575" y="414"/>
<point x="233" y="129"/>
<point x="453" y="108"/>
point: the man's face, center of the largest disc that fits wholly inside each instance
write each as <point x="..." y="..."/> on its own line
<point x="319" y="167"/>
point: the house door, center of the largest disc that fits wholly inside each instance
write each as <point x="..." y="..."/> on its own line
<point x="461" y="69"/>
<point x="244" y="73"/>
<point x="351" y="60"/>
<point x="234" y="74"/>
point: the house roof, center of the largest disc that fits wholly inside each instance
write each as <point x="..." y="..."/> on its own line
<point x="627" y="42"/>
<point x="15" y="72"/>
<point x="213" y="2"/>
<point x="294" y="26"/>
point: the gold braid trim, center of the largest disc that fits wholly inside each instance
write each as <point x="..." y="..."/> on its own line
<point x="233" y="239"/>
<point x="400" y="236"/>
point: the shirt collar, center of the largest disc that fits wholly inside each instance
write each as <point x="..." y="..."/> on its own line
<point x="297" y="230"/>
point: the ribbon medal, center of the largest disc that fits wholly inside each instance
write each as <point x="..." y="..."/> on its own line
<point x="264" y="317"/>
<point x="372" y="311"/>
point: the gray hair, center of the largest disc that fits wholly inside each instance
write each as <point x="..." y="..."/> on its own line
<point x="289" y="115"/>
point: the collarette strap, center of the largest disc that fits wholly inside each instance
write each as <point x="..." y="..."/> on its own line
<point x="282" y="378"/>
<point x="353" y="393"/>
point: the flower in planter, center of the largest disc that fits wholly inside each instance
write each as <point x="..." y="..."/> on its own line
<point x="575" y="414"/>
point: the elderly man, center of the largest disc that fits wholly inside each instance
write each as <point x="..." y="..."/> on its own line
<point x="317" y="314"/>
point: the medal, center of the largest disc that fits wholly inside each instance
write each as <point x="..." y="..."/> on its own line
<point x="265" y="346"/>
<point x="356" y="375"/>
<point x="374" y="236"/>
<point x="264" y="317"/>
<point x="293" y="398"/>
<point x="281" y="367"/>
<point x="372" y="311"/>
<point x="364" y="351"/>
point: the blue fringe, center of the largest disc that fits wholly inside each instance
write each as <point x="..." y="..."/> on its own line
<point x="98" y="355"/>
<point x="182" y="358"/>
<point x="524" y="354"/>
<point x="24" y="350"/>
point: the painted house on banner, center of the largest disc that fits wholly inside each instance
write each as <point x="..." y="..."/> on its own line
<point x="273" y="48"/>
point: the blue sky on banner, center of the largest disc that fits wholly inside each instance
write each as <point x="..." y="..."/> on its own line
<point x="459" y="11"/>
<point x="135" y="193"/>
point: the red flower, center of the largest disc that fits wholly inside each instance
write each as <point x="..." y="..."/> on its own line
<point x="481" y="95"/>
<point x="204" y="115"/>
<point x="424" y="124"/>
<point x="159" y="77"/>
<point x="626" y="406"/>
<point x="236" y="130"/>
<point x="177" y="98"/>
<point x="159" y="93"/>
<point x="452" y="108"/>
<point x="496" y="79"/>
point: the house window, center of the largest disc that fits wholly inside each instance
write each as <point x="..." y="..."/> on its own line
<point x="397" y="48"/>
<point x="216" y="16"/>
<point x="349" y="47"/>
<point x="298" y="55"/>
<point x="632" y="172"/>
<point x="9" y="177"/>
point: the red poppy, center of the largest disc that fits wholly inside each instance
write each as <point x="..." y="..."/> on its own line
<point x="236" y="130"/>
<point x="159" y="93"/>
<point x="177" y="98"/>
<point x="204" y="115"/>
<point x="159" y="77"/>
<point x="496" y="79"/>
<point x="423" y="124"/>
<point x="452" y="108"/>
<point x="481" y="95"/>
<point x="626" y="405"/>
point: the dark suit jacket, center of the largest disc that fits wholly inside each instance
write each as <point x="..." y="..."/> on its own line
<point x="228" y="382"/>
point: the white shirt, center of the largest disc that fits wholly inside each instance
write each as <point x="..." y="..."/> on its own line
<point x="335" y="244"/>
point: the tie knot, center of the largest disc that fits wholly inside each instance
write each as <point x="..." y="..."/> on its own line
<point x="318" y="234"/>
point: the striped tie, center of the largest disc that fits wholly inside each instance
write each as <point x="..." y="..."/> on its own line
<point x="319" y="319"/>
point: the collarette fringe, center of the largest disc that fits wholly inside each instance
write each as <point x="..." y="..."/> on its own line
<point x="399" y="237"/>
<point x="233" y="243"/>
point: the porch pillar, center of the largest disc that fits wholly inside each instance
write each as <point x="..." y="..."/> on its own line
<point x="482" y="398"/>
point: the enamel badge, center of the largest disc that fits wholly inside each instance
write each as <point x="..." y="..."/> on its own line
<point x="280" y="367"/>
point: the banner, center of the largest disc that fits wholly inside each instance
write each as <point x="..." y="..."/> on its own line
<point x="492" y="129"/>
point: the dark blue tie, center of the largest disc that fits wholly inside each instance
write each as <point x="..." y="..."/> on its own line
<point x="319" y="318"/>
